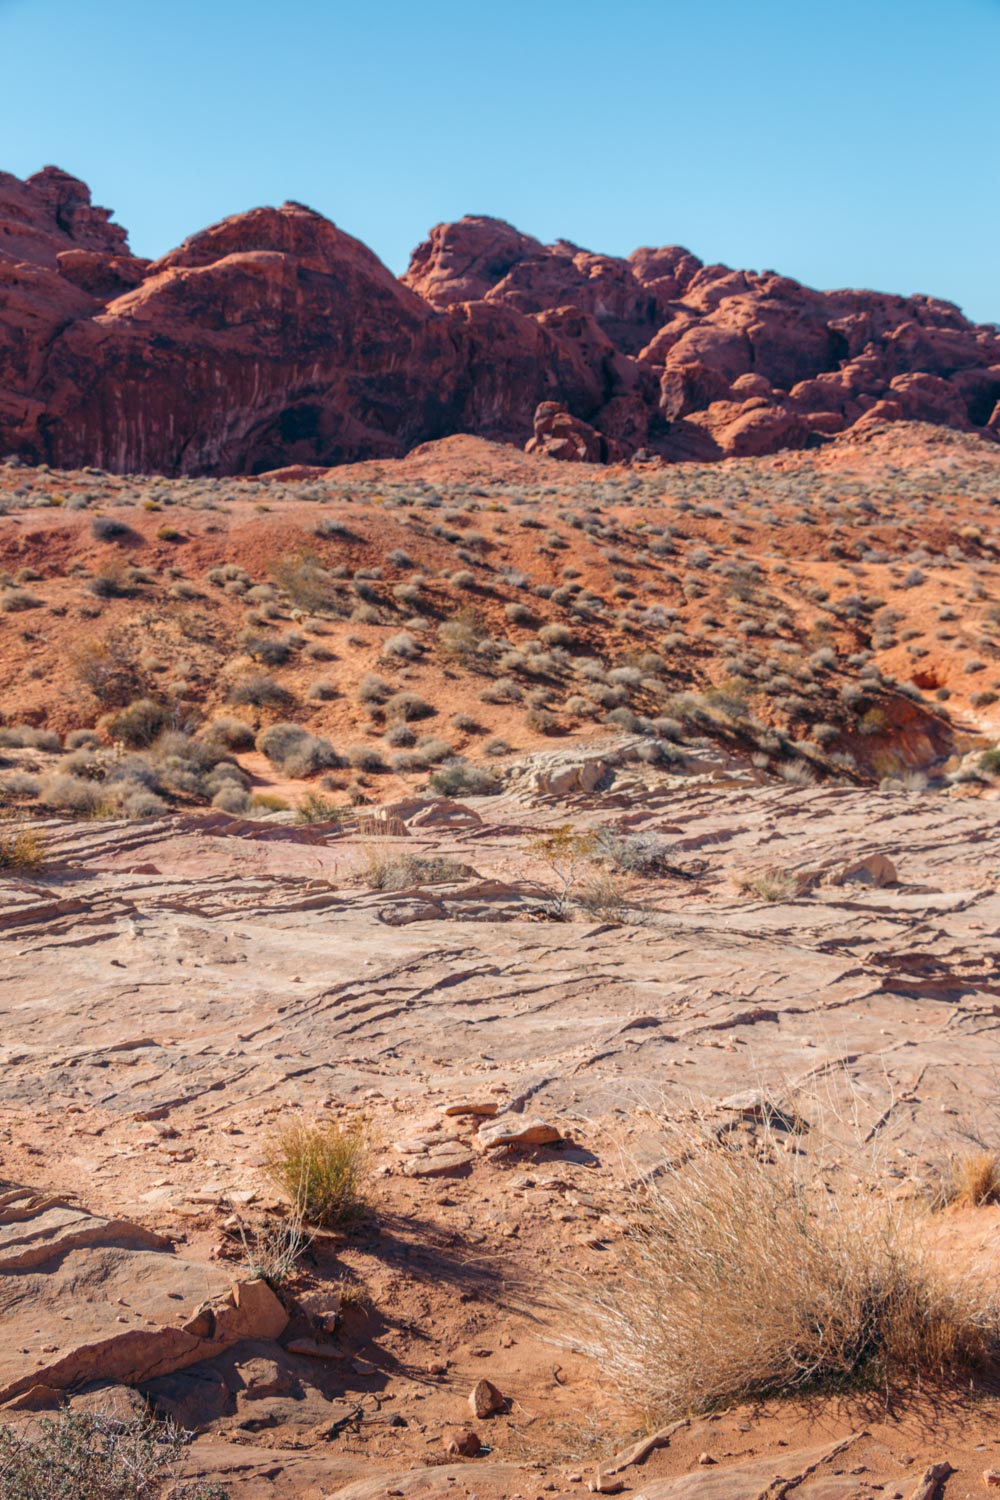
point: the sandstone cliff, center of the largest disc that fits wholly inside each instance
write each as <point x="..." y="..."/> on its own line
<point x="274" y="338"/>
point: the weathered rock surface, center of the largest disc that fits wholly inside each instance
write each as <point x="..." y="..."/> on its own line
<point x="809" y="1474"/>
<point x="205" y="990"/>
<point x="558" y="434"/>
<point x="84" y="1298"/>
<point x="273" y="338"/>
<point x="172" y="989"/>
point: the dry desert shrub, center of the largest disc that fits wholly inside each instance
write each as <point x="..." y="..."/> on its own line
<point x="460" y="637"/>
<point x="12" y="600"/>
<point x="606" y="897"/>
<point x="22" y="848"/>
<point x="139" y="723"/>
<point x="94" y="1456"/>
<point x="228" y="732"/>
<point x="315" y="808"/>
<point x="387" y="869"/>
<point x="294" y="751"/>
<point x="972" y="1180"/>
<point x="744" y="1277"/>
<point x="323" y="1167"/>
<point x="458" y="779"/>
<point x="111" y="669"/>
<point x="305" y="582"/>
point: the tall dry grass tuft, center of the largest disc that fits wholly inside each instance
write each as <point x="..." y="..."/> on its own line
<point x="323" y="1167"/>
<point x="744" y="1277"/>
<point x="22" y="848"/>
<point x="973" y="1180"/>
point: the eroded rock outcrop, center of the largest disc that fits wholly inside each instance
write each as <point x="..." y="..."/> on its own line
<point x="84" y="1298"/>
<point x="273" y="338"/>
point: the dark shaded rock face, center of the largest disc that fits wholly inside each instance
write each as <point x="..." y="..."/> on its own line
<point x="274" y="338"/>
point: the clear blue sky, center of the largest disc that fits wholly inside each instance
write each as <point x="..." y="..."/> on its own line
<point x="854" y="143"/>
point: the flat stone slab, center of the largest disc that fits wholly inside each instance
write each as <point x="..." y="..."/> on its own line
<point x="84" y="1298"/>
<point x="236" y="978"/>
<point x="806" y="1473"/>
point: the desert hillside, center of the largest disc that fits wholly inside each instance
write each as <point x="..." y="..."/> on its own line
<point x="499" y="972"/>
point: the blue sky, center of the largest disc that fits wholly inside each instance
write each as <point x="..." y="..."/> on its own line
<point x="851" y="144"/>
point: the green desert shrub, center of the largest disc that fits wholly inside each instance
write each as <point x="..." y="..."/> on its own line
<point x="294" y="751"/>
<point x="323" y="1167"/>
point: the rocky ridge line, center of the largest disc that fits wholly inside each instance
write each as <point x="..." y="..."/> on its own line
<point x="274" y="338"/>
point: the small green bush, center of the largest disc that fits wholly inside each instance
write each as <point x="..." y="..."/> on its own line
<point x="323" y="1168"/>
<point x="458" y="779"/>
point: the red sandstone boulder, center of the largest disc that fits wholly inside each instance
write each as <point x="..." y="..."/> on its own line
<point x="462" y="262"/>
<point x="748" y="429"/>
<point x="560" y="435"/>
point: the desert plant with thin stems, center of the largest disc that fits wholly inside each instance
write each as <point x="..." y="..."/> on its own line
<point x="567" y="854"/>
<point x="606" y="897"/>
<point x="744" y="1276"/>
<point x="95" y="1456"/>
<point x="273" y="1248"/>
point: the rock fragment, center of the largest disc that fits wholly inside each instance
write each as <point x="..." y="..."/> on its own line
<point x="485" y="1400"/>
<point x="464" y="1444"/>
<point x="511" y="1130"/>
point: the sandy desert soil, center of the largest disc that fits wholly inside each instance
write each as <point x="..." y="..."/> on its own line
<point x="816" y="935"/>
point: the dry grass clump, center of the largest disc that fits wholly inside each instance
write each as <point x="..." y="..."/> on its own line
<point x="743" y="1277"/>
<point x="397" y="870"/>
<point x="972" y="1180"/>
<point x="22" y="848"/>
<point x="770" y="884"/>
<point x="323" y="1167"/>
<point x="606" y="897"/>
<point x="268" y="802"/>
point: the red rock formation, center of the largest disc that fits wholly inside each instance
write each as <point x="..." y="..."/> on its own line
<point x="558" y="434"/>
<point x="273" y="338"/>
